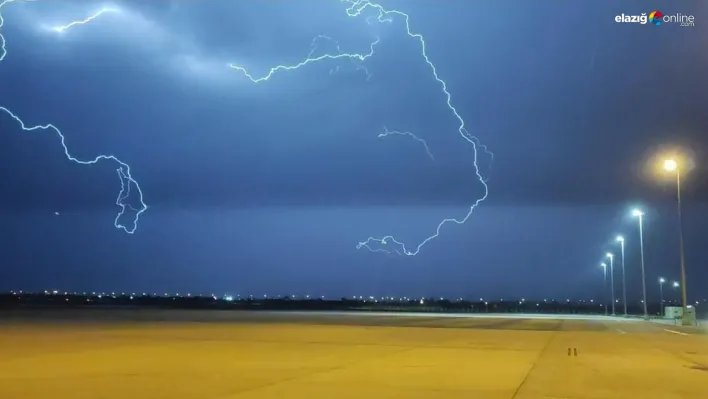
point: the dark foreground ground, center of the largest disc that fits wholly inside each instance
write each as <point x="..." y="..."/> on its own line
<point x="224" y="354"/>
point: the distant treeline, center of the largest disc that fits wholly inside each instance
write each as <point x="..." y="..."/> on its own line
<point x="432" y="305"/>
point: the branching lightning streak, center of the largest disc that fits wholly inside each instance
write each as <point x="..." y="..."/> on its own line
<point x="306" y="61"/>
<point x="123" y="173"/>
<point x="62" y="28"/>
<point x="385" y="251"/>
<point x="313" y="49"/>
<point x="355" y="9"/>
<point x="396" y="132"/>
<point x="3" y="49"/>
<point x="123" y="169"/>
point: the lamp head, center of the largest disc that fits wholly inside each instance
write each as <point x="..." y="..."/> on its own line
<point x="662" y="280"/>
<point x="620" y="239"/>
<point x="603" y="264"/>
<point x="676" y="284"/>
<point x="637" y="212"/>
<point x="610" y="255"/>
<point x="670" y="165"/>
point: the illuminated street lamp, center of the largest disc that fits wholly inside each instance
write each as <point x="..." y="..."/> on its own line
<point x="604" y="270"/>
<point x="661" y="293"/>
<point x="620" y="239"/>
<point x="671" y="165"/>
<point x="639" y="214"/>
<point x="612" y="279"/>
<point x="676" y="284"/>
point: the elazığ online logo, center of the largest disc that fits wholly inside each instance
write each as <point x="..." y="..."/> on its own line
<point x="657" y="18"/>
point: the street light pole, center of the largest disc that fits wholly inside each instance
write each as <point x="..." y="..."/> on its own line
<point x="661" y="296"/>
<point x="640" y="215"/>
<point x="604" y="270"/>
<point x="672" y="165"/>
<point x="624" y="285"/>
<point x="684" y="302"/>
<point x="612" y="280"/>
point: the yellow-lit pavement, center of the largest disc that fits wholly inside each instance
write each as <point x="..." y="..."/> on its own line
<point x="335" y="356"/>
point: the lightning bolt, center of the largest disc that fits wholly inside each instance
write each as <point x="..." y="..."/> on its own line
<point x="3" y="49"/>
<point x="355" y="9"/>
<point x="123" y="173"/>
<point x="396" y="132"/>
<point x="309" y="60"/>
<point x="105" y="10"/>
<point x="123" y="170"/>
<point x="314" y="45"/>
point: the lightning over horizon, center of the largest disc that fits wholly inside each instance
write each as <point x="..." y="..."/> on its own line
<point x="355" y="9"/>
<point x="123" y="173"/>
<point x="123" y="170"/>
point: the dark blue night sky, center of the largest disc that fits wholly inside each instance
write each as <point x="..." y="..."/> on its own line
<point x="266" y="188"/>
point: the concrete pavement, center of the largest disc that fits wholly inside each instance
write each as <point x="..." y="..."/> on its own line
<point x="354" y="356"/>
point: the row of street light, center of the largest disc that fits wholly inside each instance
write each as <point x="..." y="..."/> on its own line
<point x="669" y="165"/>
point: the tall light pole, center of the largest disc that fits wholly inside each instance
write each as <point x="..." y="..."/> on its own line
<point x="612" y="279"/>
<point x="639" y="214"/>
<point x="672" y="166"/>
<point x="620" y="239"/>
<point x="604" y="270"/>
<point x="661" y="295"/>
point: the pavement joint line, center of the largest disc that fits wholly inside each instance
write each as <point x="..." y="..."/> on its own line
<point x="541" y="353"/>
<point x="675" y="332"/>
<point x="679" y="356"/>
<point x="310" y="374"/>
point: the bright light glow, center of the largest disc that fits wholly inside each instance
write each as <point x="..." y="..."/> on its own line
<point x="610" y="255"/>
<point x="355" y="9"/>
<point x="604" y="265"/>
<point x="662" y="280"/>
<point x="637" y="212"/>
<point x="676" y="284"/>
<point x="670" y="165"/>
<point x="620" y="239"/>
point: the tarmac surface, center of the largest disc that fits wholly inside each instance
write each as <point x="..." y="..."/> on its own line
<point x="111" y="354"/>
